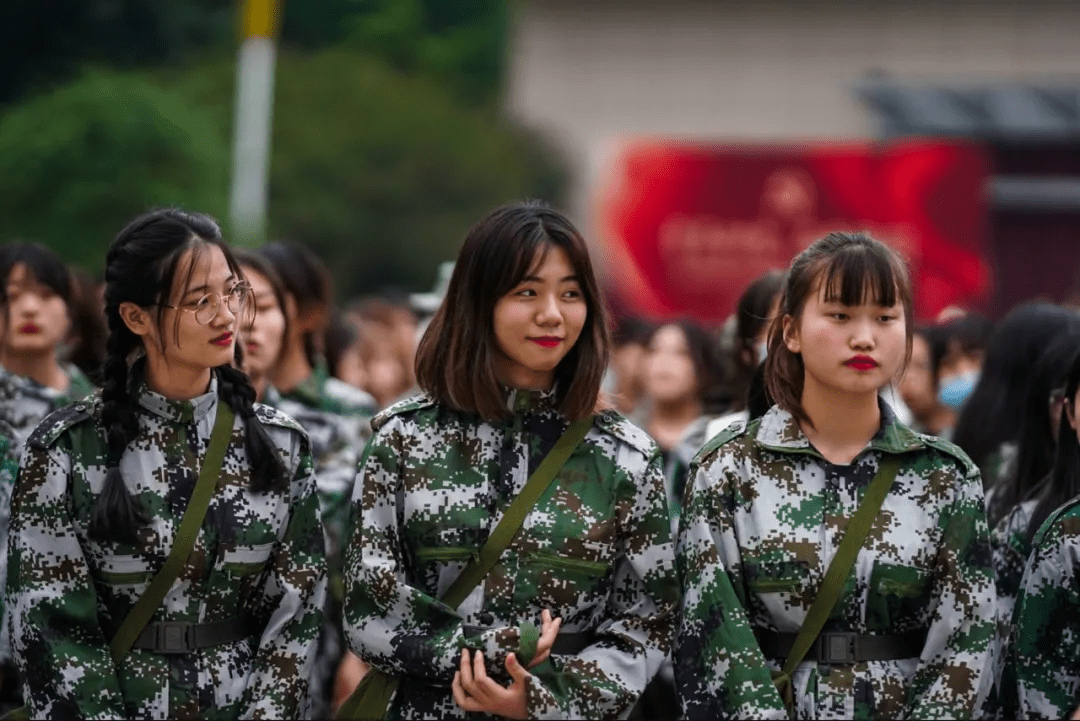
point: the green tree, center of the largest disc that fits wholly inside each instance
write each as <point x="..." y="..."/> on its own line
<point x="80" y="161"/>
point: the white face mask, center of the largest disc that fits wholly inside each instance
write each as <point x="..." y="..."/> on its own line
<point x="761" y="351"/>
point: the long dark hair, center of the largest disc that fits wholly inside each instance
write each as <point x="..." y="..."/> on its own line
<point x="852" y="268"/>
<point x="140" y="268"/>
<point x="989" y="417"/>
<point x="306" y="278"/>
<point x="1063" y="482"/>
<point x="43" y="265"/>
<point x="456" y="356"/>
<point x="751" y="317"/>
<point x="1035" y="455"/>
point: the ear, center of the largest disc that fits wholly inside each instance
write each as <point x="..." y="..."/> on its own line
<point x="791" y="335"/>
<point x="1070" y="412"/>
<point x="136" y="319"/>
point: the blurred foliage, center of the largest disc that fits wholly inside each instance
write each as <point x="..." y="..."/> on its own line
<point x="80" y="161"/>
<point x="379" y="172"/>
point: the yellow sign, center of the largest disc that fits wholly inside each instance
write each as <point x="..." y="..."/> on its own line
<point x="260" y="18"/>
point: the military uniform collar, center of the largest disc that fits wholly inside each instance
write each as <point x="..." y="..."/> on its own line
<point x="310" y="390"/>
<point x="525" y="400"/>
<point x="271" y="396"/>
<point x="779" y="431"/>
<point x="177" y="411"/>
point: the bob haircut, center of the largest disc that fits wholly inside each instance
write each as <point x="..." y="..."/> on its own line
<point x="850" y="268"/>
<point x="455" y="360"/>
<point x="703" y="355"/>
<point x="44" y="266"/>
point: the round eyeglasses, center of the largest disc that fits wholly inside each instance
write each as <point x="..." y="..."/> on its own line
<point x="206" y="308"/>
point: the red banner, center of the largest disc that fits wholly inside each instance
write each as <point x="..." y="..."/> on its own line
<point x="686" y="227"/>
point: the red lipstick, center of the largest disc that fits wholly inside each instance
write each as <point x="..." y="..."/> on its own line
<point x="29" y="328"/>
<point x="547" y="341"/>
<point x="223" y="340"/>
<point x="861" y="363"/>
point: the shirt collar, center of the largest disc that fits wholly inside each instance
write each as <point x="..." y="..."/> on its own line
<point x="525" y="400"/>
<point x="779" y="431"/>
<point x="177" y="411"/>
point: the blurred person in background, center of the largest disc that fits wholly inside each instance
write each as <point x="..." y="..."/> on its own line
<point x="345" y="350"/>
<point x="39" y="299"/>
<point x="335" y="450"/>
<point x="1043" y="666"/>
<point x="389" y="348"/>
<point x="1011" y="504"/>
<point x="920" y="384"/>
<point x="623" y="380"/>
<point x="681" y="389"/>
<point x="88" y="332"/>
<point x="959" y="349"/>
<point x="988" y="428"/>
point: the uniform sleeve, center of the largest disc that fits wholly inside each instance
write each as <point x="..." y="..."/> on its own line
<point x="1046" y="644"/>
<point x="720" y="672"/>
<point x="59" y="646"/>
<point x="9" y="467"/>
<point x="606" y="679"/>
<point x="388" y="622"/>
<point x="955" y="671"/>
<point x="294" y="593"/>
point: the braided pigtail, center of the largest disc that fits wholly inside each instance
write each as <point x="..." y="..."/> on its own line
<point x="268" y="471"/>
<point x="117" y="515"/>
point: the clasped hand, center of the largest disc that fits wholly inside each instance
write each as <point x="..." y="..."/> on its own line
<point x="474" y="690"/>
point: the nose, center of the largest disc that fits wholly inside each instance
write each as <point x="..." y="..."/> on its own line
<point x="549" y="313"/>
<point x="862" y="335"/>
<point x="223" y="316"/>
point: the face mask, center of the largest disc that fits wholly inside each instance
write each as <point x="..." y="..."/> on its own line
<point x="956" y="390"/>
<point x="761" y="350"/>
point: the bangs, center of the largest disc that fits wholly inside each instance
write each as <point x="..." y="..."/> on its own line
<point x="529" y="257"/>
<point x="859" y="275"/>
<point x="44" y="266"/>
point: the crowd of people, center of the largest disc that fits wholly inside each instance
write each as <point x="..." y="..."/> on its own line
<point x="224" y="496"/>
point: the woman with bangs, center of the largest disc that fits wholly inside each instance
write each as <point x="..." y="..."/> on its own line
<point x="769" y="503"/>
<point x="39" y="293"/>
<point x="167" y="558"/>
<point x="576" y="614"/>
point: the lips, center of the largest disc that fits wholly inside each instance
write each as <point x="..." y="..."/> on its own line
<point x="861" y="363"/>
<point x="29" y="328"/>
<point x="547" y="341"/>
<point x="224" y="339"/>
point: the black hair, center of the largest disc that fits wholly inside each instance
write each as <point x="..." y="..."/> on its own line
<point x="1063" y="481"/>
<point x="45" y="266"/>
<point x="307" y="279"/>
<point x="751" y="318"/>
<point x="703" y="355"/>
<point x="141" y="267"/>
<point x="1035" y="455"/>
<point x="989" y="417"/>
<point x="340" y="335"/>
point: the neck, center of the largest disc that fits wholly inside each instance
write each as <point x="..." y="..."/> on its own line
<point x="259" y="383"/>
<point x="843" y="423"/>
<point x="682" y="410"/>
<point x="940" y="418"/>
<point x="41" y="367"/>
<point x="176" y="384"/>
<point x="293" y="368"/>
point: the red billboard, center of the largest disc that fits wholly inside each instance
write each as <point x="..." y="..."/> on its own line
<point x="687" y="226"/>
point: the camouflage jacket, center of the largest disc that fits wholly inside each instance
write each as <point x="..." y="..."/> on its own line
<point x="9" y="466"/>
<point x="764" y="516"/>
<point x="24" y="402"/>
<point x="677" y="465"/>
<point x="258" y="556"/>
<point x="1010" y="548"/>
<point x="595" y="550"/>
<point x="1046" y="621"/>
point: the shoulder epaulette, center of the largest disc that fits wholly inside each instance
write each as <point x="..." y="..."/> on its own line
<point x="272" y="416"/>
<point x="733" y="431"/>
<point x="952" y="450"/>
<point x="423" y="400"/>
<point x="1052" y="519"/>
<point x="58" y="422"/>
<point x="617" y="425"/>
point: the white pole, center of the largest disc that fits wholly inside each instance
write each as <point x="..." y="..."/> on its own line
<point x="251" y="130"/>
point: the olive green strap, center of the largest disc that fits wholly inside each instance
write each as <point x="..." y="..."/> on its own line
<point x="837" y="573"/>
<point x="143" y="610"/>
<point x="372" y="697"/>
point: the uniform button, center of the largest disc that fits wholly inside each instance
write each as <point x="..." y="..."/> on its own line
<point x="80" y="407"/>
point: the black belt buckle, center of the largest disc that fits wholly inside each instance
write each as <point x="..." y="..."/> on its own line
<point x="838" y="648"/>
<point x="173" y="637"/>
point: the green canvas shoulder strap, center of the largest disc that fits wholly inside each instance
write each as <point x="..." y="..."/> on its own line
<point x="372" y="696"/>
<point x="836" y="575"/>
<point x="143" y="610"/>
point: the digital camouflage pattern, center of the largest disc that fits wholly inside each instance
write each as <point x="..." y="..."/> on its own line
<point x="764" y="515"/>
<point x="257" y="556"/>
<point x="677" y="465"/>
<point x="24" y="402"/>
<point x="1046" y="620"/>
<point x="1010" y="548"/>
<point x="9" y="467"/>
<point x="595" y="550"/>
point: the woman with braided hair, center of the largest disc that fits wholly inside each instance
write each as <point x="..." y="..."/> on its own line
<point x="106" y="485"/>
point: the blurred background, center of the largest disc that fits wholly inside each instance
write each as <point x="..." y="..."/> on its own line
<point x="697" y="143"/>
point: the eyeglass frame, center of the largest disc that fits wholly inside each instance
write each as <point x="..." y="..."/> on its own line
<point x="216" y="300"/>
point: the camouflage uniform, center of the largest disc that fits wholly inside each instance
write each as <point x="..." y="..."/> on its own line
<point x="677" y="465"/>
<point x="24" y="402"/>
<point x="258" y="556"/>
<point x="9" y="466"/>
<point x="763" y="518"/>
<point x="595" y="550"/>
<point x="1010" y="548"/>
<point x="1046" y="620"/>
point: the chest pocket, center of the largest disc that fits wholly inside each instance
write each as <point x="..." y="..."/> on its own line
<point x="241" y="561"/>
<point x="898" y="597"/>
<point x="124" y="575"/>
<point x="566" y="577"/>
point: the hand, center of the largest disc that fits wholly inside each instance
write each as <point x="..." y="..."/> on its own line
<point x="475" y="691"/>
<point x="1076" y="714"/>
<point x="349" y="672"/>
<point x="549" y="629"/>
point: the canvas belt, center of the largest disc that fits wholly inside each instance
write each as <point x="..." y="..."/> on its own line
<point x="842" y="647"/>
<point x="566" y="644"/>
<point x="178" y="637"/>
